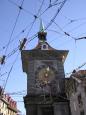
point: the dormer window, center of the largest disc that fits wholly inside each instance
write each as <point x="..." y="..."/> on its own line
<point x="44" y="47"/>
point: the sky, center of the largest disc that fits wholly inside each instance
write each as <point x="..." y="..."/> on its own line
<point x="62" y="34"/>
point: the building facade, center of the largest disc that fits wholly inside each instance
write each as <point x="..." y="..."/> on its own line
<point x="44" y="67"/>
<point x="7" y="105"/>
<point x="76" y="92"/>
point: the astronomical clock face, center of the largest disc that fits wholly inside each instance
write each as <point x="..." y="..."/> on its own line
<point x="45" y="76"/>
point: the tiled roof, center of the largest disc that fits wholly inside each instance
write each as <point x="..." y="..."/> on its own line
<point x="81" y="74"/>
<point x="8" y="100"/>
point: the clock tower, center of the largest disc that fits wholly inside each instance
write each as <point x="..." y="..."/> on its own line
<point x="44" y="67"/>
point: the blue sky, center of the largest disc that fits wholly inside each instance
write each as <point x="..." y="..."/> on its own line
<point x="71" y="19"/>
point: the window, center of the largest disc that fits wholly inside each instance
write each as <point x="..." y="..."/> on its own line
<point x="47" y="111"/>
<point x="85" y="89"/>
<point x="74" y="106"/>
<point x="82" y="112"/>
<point x="80" y="100"/>
<point x="44" y="47"/>
<point x="8" y="111"/>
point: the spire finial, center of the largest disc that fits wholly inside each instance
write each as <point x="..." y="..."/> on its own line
<point x="42" y="34"/>
<point x="41" y="26"/>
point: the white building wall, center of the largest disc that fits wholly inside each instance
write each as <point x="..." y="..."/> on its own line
<point x="74" y="104"/>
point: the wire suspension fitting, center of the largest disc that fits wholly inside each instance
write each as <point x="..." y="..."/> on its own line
<point x="2" y="60"/>
<point x="22" y="44"/>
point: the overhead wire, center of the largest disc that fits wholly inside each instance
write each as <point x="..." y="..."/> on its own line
<point x="84" y="64"/>
<point x="50" y="6"/>
<point x="75" y="40"/>
<point x="30" y="28"/>
<point x="11" y="53"/>
<point x="71" y="36"/>
<point x="36" y="16"/>
<point x="40" y="7"/>
<point x="82" y="36"/>
<point x="52" y="30"/>
<point x="78" y="38"/>
<point x="52" y="20"/>
<point x="49" y="2"/>
<point x="7" y="78"/>
<point x="16" y="36"/>
<point x="13" y="2"/>
<point x="61" y="34"/>
<point x="17" y="48"/>
<point x="77" y="69"/>
<point x="61" y="96"/>
<point x="58" y="26"/>
<point x="66" y="33"/>
<point x="3" y="74"/>
<point x="34" y="20"/>
<point x="66" y="42"/>
<point x="9" y="73"/>
<point x="21" y="7"/>
<point x="55" y="1"/>
<point x="70" y="21"/>
<point x="12" y="64"/>
<point x="57" y="12"/>
<point x="20" y="47"/>
<point x="14" y="27"/>
<point x="10" y="41"/>
<point x="74" y="20"/>
<point x="77" y="26"/>
<point x="17" y="94"/>
<point x="4" y="87"/>
<point x="30" y="40"/>
<point x="14" y="51"/>
<point x="56" y="4"/>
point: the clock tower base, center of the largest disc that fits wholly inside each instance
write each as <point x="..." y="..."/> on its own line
<point x="36" y="105"/>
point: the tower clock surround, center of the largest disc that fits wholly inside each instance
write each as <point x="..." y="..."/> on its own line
<point x="45" y="75"/>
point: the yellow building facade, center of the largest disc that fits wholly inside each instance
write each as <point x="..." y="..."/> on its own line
<point x="7" y="105"/>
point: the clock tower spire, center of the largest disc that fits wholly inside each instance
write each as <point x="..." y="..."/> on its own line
<point x="42" y="34"/>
